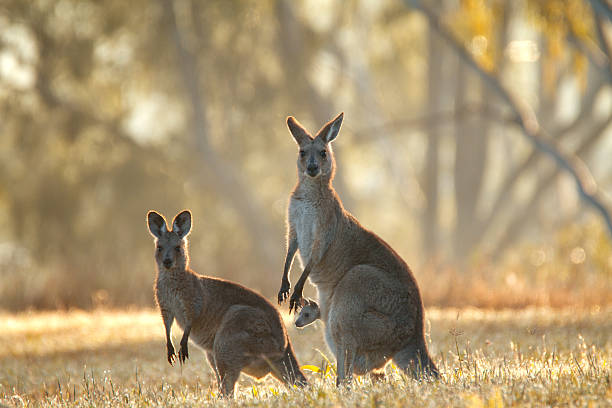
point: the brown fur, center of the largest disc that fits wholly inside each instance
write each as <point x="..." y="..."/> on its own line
<point x="369" y="300"/>
<point x="239" y="329"/>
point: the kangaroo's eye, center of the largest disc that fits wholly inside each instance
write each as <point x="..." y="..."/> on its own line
<point x="302" y="153"/>
<point x="159" y="249"/>
<point x="177" y="248"/>
<point x="323" y="153"/>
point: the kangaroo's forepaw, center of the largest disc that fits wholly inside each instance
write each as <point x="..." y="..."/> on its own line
<point x="171" y="355"/>
<point x="283" y="293"/>
<point x="183" y="353"/>
<point x="296" y="302"/>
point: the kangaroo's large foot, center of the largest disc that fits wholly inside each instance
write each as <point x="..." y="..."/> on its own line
<point x="345" y="383"/>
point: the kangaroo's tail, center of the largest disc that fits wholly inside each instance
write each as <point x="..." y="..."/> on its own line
<point x="415" y="359"/>
<point x="290" y="368"/>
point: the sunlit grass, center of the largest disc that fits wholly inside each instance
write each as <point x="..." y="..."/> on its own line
<point x="486" y="358"/>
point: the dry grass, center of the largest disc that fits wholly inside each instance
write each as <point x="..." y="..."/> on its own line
<point x="529" y="357"/>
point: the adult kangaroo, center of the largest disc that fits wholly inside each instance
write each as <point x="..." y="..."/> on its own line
<point x="239" y="329"/>
<point x="368" y="298"/>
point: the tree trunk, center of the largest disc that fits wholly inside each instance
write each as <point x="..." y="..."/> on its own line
<point x="471" y="144"/>
<point x="430" y="222"/>
<point x="221" y="174"/>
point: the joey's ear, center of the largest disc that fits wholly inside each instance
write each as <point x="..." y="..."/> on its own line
<point x="311" y="303"/>
<point x="157" y="224"/>
<point x="297" y="131"/>
<point x="331" y="129"/>
<point x="182" y="223"/>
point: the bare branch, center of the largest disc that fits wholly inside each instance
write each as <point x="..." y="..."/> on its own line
<point x="526" y="119"/>
<point x="602" y="7"/>
<point x="432" y="119"/>
<point x="521" y="219"/>
<point x="595" y="55"/>
<point x="510" y="181"/>
<point x="604" y="41"/>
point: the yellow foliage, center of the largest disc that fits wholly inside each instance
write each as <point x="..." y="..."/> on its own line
<point x="312" y="368"/>
<point x="558" y="20"/>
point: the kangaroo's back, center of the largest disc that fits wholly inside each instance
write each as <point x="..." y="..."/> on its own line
<point x="222" y="294"/>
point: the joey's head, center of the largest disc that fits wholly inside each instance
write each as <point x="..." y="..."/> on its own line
<point x="171" y="246"/>
<point x="308" y="314"/>
<point x="315" y="157"/>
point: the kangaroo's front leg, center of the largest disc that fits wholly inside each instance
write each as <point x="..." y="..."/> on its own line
<point x="292" y="246"/>
<point x="184" y="351"/>
<point x="316" y="254"/>
<point x="297" y="299"/>
<point x="168" y="319"/>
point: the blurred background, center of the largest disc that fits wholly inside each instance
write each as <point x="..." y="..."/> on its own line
<point x="109" y="109"/>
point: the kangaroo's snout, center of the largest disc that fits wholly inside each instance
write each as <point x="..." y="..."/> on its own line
<point x="312" y="166"/>
<point x="312" y="169"/>
<point x="167" y="262"/>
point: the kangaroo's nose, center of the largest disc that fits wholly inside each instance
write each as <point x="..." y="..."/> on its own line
<point x="312" y="169"/>
<point x="167" y="262"/>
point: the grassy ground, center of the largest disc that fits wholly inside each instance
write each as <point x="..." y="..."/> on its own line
<point x="540" y="357"/>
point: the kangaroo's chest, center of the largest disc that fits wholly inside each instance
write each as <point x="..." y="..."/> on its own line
<point x="304" y="218"/>
<point x="172" y="297"/>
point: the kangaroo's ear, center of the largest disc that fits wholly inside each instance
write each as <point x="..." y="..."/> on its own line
<point x="157" y="224"/>
<point x="331" y="129"/>
<point x="182" y="223"/>
<point x="297" y="131"/>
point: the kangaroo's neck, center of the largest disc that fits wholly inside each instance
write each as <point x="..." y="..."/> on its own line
<point x="314" y="189"/>
<point x="174" y="272"/>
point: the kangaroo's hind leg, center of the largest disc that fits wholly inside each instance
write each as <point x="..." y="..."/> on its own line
<point x="243" y="342"/>
<point x="211" y="360"/>
<point x="229" y="360"/>
<point x="345" y="362"/>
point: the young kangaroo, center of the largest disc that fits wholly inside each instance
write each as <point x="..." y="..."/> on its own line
<point x="369" y="300"/>
<point x="239" y="329"/>
<point x="309" y="312"/>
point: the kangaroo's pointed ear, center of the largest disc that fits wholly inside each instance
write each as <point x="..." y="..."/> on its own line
<point x="182" y="223"/>
<point x="297" y="131"/>
<point x="157" y="224"/>
<point x="331" y="129"/>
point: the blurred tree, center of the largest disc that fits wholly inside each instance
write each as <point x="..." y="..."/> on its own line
<point x="558" y="20"/>
<point x="110" y="109"/>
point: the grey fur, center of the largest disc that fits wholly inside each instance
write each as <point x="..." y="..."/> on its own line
<point x="368" y="298"/>
<point x="239" y="330"/>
